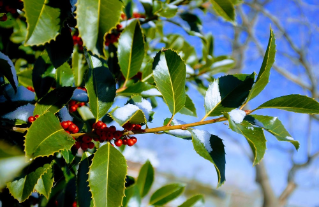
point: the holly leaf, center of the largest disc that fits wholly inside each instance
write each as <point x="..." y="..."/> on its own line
<point x="8" y="70"/>
<point x="46" y="136"/>
<point x="64" y="76"/>
<point x="227" y="93"/>
<point x="128" y="113"/>
<point x="100" y="85"/>
<point x="107" y="177"/>
<point x="45" y="183"/>
<point x="136" y="89"/>
<point x="254" y="135"/>
<point x="131" y="49"/>
<point x="274" y="126"/>
<point x="263" y="75"/>
<point x="68" y="155"/>
<point x="82" y="188"/>
<point x="225" y="9"/>
<point x="145" y="178"/>
<point x="212" y="149"/>
<point x="189" y="108"/>
<point x="169" y="72"/>
<point x="25" y="77"/>
<point x="166" y="194"/>
<point x="180" y="133"/>
<point x="53" y="101"/>
<point x="79" y="67"/>
<point x="195" y="201"/>
<point x="21" y="189"/>
<point x="295" y="103"/>
<point x="95" y="19"/>
<point x="132" y="196"/>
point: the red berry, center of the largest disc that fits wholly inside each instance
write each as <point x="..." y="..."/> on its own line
<point x="73" y="108"/>
<point x="98" y="124"/>
<point x="128" y="126"/>
<point x="103" y="126"/>
<point x="103" y="137"/>
<point x="134" y="139"/>
<point x="109" y="135"/>
<point x="72" y="127"/>
<point x="74" y="204"/>
<point x="36" y="116"/>
<point x="90" y="145"/>
<point x="137" y="127"/>
<point x="82" y="104"/>
<point x="69" y="122"/>
<point x="84" y="146"/>
<point x="72" y="103"/>
<point x="117" y="134"/>
<point x="64" y="124"/>
<point x="86" y="139"/>
<point x="76" y="130"/>
<point x="112" y="129"/>
<point x="77" y="145"/>
<point x="118" y="142"/>
<point x="96" y="139"/>
<point x="130" y="142"/>
<point x="124" y="141"/>
<point x="31" y="119"/>
<point x="99" y="132"/>
<point x="68" y="132"/>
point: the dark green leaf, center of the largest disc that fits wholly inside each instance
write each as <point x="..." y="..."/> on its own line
<point x="192" y="20"/>
<point x="25" y="77"/>
<point x="79" y="67"/>
<point x="82" y="188"/>
<point x="64" y="76"/>
<point x="132" y="196"/>
<point x="212" y="149"/>
<point x="145" y="178"/>
<point x="8" y="70"/>
<point x="107" y="177"/>
<point x="54" y="100"/>
<point x="136" y="89"/>
<point x="39" y="142"/>
<point x="68" y="156"/>
<point x="189" y="108"/>
<point x="169" y="73"/>
<point x="100" y="86"/>
<point x="274" y="126"/>
<point x="95" y="19"/>
<point x="131" y="49"/>
<point x="295" y="103"/>
<point x="195" y="201"/>
<point x="225" y="9"/>
<point x="45" y="183"/>
<point x="166" y="194"/>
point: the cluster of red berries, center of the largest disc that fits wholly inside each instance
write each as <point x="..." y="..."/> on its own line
<point x="77" y="40"/>
<point x="30" y="88"/>
<point x="114" y="36"/>
<point x="73" y="105"/>
<point x="32" y="118"/>
<point x="135" y="15"/>
<point x="9" y="7"/>
<point x="70" y="127"/>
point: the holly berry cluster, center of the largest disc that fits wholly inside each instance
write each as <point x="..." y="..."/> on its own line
<point x="114" y="36"/>
<point x="73" y="105"/>
<point x="32" y="118"/>
<point x="70" y="127"/>
<point x="77" y="40"/>
<point x="9" y="7"/>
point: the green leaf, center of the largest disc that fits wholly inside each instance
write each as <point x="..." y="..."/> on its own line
<point x="107" y="177"/>
<point x="263" y="76"/>
<point x="227" y="93"/>
<point x="25" y="77"/>
<point x="131" y="49"/>
<point x="195" y="201"/>
<point x="82" y="188"/>
<point x="254" y="135"/>
<point x="225" y="9"/>
<point x="64" y="76"/>
<point x="68" y="156"/>
<point x="19" y="32"/>
<point x="7" y="69"/>
<point x="145" y="178"/>
<point x="221" y="64"/>
<point x="21" y="189"/>
<point x="180" y="133"/>
<point x="43" y="20"/>
<point x="274" y="126"/>
<point x="39" y="142"/>
<point x="132" y="196"/>
<point x="236" y="2"/>
<point x="45" y="183"/>
<point x="295" y="103"/>
<point x="8" y="156"/>
<point x="166" y="194"/>
<point x="189" y="108"/>
<point x="208" y="47"/>
<point x="129" y="112"/>
<point x="100" y="85"/>
<point x="169" y="73"/>
<point x="136" y="89"/>
<point x="79" y="67"/>
<point x="192" y="20"/>
<point x="95" y="19"/>
<point x="212" y="149"/>
<point x="54" y="100"/>
<point x="57" y="55"/>
<point x="168" y="10"/>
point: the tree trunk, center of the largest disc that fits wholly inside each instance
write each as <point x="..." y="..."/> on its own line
<point x="270" y="200"/>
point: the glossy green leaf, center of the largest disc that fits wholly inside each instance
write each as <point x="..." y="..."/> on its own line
<point x="25" y="77"/>
<point x="21" y="189"/>
<point x="274" y="126"/>
<point x="107" y="177"/>
<point x="39" y="142"/>
<point x="7" y="70"/>
<point x="95" y="19"/>
<point x="189" y="108"/>
<point x="53" y="101"/>
<point x="136" y="89"/>
<point x="295" y="103"/>
<point x="61" y="48"/>
<point x="79" y="67"/>
<point x="8" y="156"/>
<point x="132" y="196"/>
<point x="100" y="85"/>
<point x="82" y="185"/>
<point x="263" y="76"/>
<point x="227" y="93"/>
<point x="195" y="201"/>
<point x="129" y="112"/>
<point x="45" y="183"/>
<point x="64" y="76"/>
<point x="225" y="9"/>
<point x="131" y="49"/>
<point x="68" y="156"/>
<point x="166" y="194"/>
<point x="145" y="178"/>
<point x="212" y="149"/>
<point x="169" y="73"/>
<point x="44" y="19"/>
<point x="254" y="135"/>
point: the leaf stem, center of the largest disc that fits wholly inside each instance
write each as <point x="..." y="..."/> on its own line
<point x="206" y="115"/>
<point x="122" y="88"/>
<point x="169" y="122"/>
